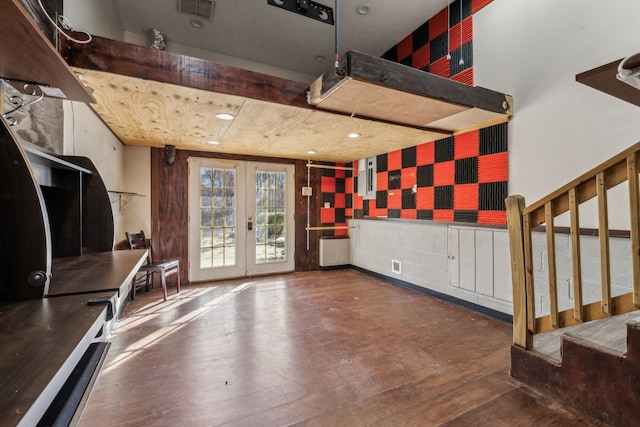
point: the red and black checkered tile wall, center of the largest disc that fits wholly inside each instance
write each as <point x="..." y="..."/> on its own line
<point x="461" y="178"/>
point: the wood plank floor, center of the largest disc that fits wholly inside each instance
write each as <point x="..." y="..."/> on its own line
<point x="335" y="348"/>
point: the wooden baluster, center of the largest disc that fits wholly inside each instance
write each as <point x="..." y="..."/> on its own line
<point x="634" y="207"/>
<point x="603" y="220"/>
<point x="529" y="283"/>
<point x="574" y="208"/>
<point x="521" y="335"/>
<point x="551" y="262"/>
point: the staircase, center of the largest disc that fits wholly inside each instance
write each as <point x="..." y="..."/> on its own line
<point x="588" y="355"/>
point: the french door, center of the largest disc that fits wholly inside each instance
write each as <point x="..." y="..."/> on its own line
<point x="240" y="218"/>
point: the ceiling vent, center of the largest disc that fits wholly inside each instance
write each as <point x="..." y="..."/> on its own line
<point x="200" y="8"/>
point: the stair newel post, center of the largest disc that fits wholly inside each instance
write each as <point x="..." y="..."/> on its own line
<point x="522" y="337"/>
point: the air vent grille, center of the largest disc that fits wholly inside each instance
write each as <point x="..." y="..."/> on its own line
<point x="200" y="8"/>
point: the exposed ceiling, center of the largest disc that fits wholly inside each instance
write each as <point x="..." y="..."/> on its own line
<point x="256" y="31"/>
<point x="144" y="112"/>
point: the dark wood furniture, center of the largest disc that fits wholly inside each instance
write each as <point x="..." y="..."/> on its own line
<point x="162" y="268"/>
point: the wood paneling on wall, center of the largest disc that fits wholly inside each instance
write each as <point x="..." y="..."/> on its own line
<point x="170" y="211"/>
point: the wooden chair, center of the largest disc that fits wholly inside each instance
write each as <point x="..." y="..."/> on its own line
<point x="163" y="268"/>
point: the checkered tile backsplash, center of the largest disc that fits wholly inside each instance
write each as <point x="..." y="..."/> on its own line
<point x="461" y="178"/>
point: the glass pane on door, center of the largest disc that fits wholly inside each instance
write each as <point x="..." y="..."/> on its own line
<point x="217" y="217"/>
<point x="270" y="214"/>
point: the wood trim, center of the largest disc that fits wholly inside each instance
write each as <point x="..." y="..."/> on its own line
<point x="605" y="263"/>
<point x="634" y="225"/>
<point x="576" y="257"/>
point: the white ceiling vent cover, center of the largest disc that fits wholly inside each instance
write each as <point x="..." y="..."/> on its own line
<point x="199" y="8"/>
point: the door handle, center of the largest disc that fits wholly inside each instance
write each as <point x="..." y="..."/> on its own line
<point x="250" y="225"/>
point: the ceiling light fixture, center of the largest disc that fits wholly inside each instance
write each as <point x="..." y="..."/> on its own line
<point x="213" y="142"/>
<point x="319" y="58"/>
<point x="225" y="116"/>
<point x="354" y="135"/>
<point x="363" y="9"/>
<point x="312" y="152"/>
<point x="196" y="23"/>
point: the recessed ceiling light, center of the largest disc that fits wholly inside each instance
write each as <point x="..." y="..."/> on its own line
<point x="319" y="58"/>
<point x="196" y="23"/>
<point x="354" y="135"/>
<point x="363" y="9"/>
<point x="225" y="116"/>
<point x="312" y="152"/>
<point x="213" y="142"/>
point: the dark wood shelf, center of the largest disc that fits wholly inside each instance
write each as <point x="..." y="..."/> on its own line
<point x="603" y="78"/>
<point x="27" y="55"/>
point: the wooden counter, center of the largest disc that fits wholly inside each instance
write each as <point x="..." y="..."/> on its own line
<point x="42" y="341"/>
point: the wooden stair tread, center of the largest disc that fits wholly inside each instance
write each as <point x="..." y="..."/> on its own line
<point x="609" y="334"/>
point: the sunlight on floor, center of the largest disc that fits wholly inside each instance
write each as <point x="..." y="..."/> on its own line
<point x="155" y="309"/>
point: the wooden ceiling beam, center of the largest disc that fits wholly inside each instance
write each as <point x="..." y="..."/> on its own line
<point x="167" y="67"/>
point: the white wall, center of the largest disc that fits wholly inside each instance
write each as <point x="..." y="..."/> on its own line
<point x="137" y="179"/>
<point x="97" y="17"/>
<point x="560" y="128"/>
<point x="469" y="263"/>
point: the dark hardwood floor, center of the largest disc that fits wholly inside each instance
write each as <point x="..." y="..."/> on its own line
<point x="335" y="348"/>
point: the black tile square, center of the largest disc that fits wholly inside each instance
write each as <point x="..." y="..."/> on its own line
<point x="494" y="139"/>
<point x="365" y="208"/>
<point x="349" y="173"/>
<point x="348" y="200"/>
<point x="408" y="61"/>
<point x="328" y="198"/>
<point x="465" y="52"/>
<point x="327" y="233"/>
<point x="426" y="69"/>
<point x="355" y="184"/>
<point x="329" y="172"/>
<point x="466" y="170"/>
<point x="438" y="47"/>
<point x="425" y="176"/>
<point x="395" y="180"/>
<point x="491" y="196"/>
<point x="425" y="214"/>
<point x="381" y="199"/>
<point x="340" y="185"/>
<point x="358" y="213"/>
<point x="392" y="54"/>
<point x="465" y="216"/>
<point x="409" y="157"/>
<point x="444" y="150"/>
<point x="393" y="213"/>
<point x="454" y="11"/>
<point x="420" y="36"/>
<point x="443" y="197"/>
<point x="340" y="216"/>
<point x="381" y="163"/>
<point x="408" y="199"/>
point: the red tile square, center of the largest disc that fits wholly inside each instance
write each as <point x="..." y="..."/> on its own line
<point x="327" y="215"/>
<point x="328" y="184"/>
<point x="493" y="167"/>
<point x="465" y="77"/>
<point x="408" y="177"/>
<point x="348" y="212"/>
<point x="465" y="197"/>
<point x="444" y="173"/>
<point x="382" y="181"/>
<point x="492" y="217"/>
<point x="340" y="201"/>
<point x="340" y="173"/>
<point x="409" y="214"/>
<point x="443" y="215"/>
<point x="440" y="67"/>
<point x="439" y="23"/>
<point x="394" y="160"/>
<point x="424" y="198"/>
<point x="421" y="57"/>
<point x="394" y="199"/>
<point x="348" y="185"/>
<point x="476" y="5"/>
<point x="358" y="202"/>
<point x="425" y="154"/>
<point x="381" y="212"/>
<point x="405" y="47"/>
<point x="341" y="232"/>
<point x="466" y="144"/>
<point x="455" y="39"/>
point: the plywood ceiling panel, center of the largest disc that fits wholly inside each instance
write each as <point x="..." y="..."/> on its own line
<point x="150" y="113"/>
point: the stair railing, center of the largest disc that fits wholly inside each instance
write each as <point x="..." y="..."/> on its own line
<point x="523" y="219"/>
